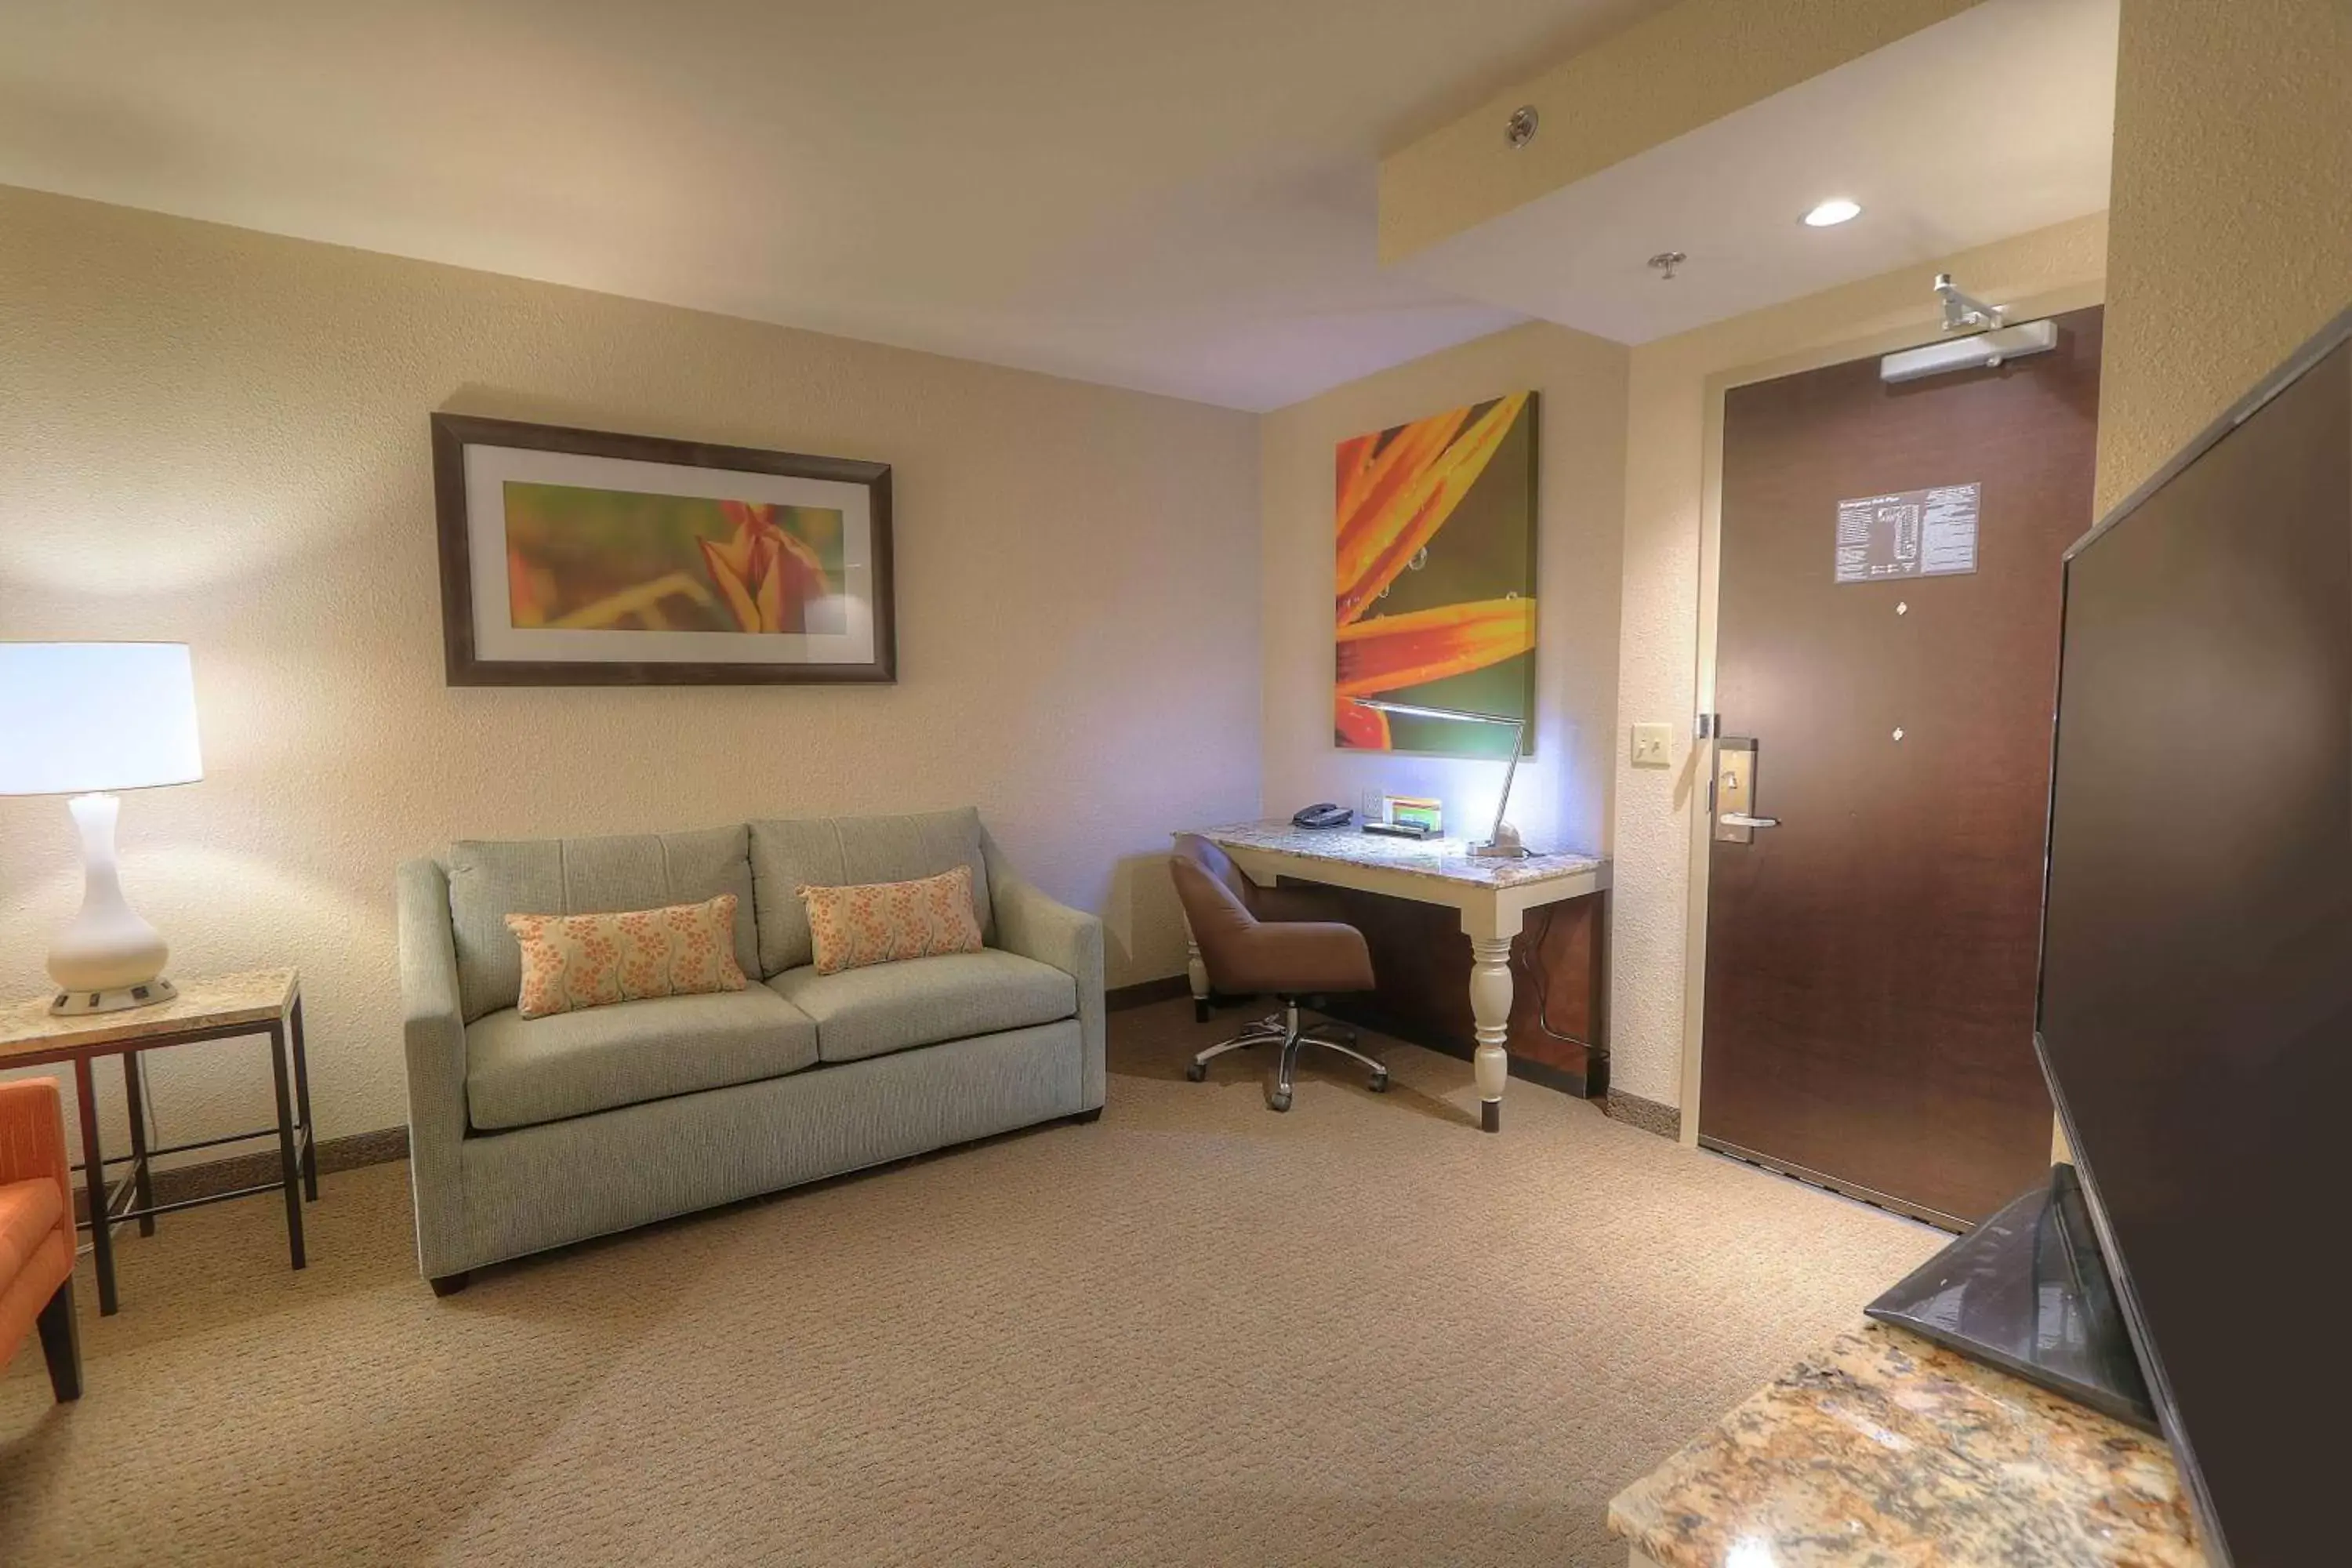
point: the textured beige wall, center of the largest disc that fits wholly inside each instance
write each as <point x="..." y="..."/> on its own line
<point x="1687" y="66"/>
<point x="1561" y="793"/>
<point x="1675" y="384"/>
<point x="2232" y="212"/>
<point x="218" y="435"/>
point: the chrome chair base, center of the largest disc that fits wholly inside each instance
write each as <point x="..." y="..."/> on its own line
<point x="1283" y="1030"/>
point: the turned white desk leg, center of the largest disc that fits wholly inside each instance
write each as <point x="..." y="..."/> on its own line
<point x="1490" y="1006"/>
<point x="1197" y="973"/>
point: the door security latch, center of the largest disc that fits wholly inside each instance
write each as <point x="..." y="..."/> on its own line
<point x="1735" y="791"/>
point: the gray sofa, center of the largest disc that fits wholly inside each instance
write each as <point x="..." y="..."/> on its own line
<point x="526" y="1134"/>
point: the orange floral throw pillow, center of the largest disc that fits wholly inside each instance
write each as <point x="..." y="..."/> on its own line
<point x="569" y="962"/>
<point x="882" y="922"/>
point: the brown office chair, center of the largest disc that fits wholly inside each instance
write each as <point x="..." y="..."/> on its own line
<point x="1257" y="940"/>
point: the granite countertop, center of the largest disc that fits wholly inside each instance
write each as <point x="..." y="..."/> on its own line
<point x="254" y="997"/>
<point x="1449" y="859"/>
<point x="1882" y="1450"/>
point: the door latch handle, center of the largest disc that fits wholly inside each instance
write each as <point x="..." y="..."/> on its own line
<point x="1735" y="791"/>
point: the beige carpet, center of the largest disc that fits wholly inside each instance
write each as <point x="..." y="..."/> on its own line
<point x="1195" y="1331"/>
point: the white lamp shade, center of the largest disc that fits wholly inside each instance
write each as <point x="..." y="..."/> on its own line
<point x="79" y="717"/>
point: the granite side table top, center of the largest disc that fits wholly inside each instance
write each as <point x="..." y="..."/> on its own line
<point x="1883" y="1450"/>
<point x="254" y="997"/>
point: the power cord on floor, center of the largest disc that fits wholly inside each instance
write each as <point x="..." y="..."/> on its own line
<point x="1536" y="978"/>
<point x="146" y="1121"/>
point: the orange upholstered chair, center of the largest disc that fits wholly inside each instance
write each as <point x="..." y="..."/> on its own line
<point x="37" y="1231"/>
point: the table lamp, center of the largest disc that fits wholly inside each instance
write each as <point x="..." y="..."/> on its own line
<point x="1503" y="842"/>
<point x="80" y="719"/>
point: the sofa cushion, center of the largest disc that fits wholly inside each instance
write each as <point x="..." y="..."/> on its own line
<point x="521" y="1071"/>
<point x="28" y="1213"/>
<point x="837" y="851"/>
<point x="569" y="962"/>
<point x="887" y="922"/>
<point x="489" y="880"/>
<point x="890" y="1007"/>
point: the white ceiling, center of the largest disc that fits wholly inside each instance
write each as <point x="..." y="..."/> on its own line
<point x="1998" y="121"/>
<point x="1178" y="197"/>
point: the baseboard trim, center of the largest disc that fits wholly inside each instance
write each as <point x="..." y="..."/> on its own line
<point x="214" y="1176"/>
<point x="1526" y="1068"/>
<point x="1144" y="993"/>
<point x="1666" y="1121"/>
<point x="388" y="1144"/>
<point x="1860" y="1194"/>
<point x="1592" y="1083"/>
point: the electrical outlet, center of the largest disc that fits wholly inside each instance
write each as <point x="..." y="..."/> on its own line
<point x="1373" y="805"/>
<point x="1653" y="745"/>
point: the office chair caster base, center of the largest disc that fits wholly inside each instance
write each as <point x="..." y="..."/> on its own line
<point x="1279" y="1100"/>
<point x="1380" y="1083"/>
<point x="1267" y="1031"/>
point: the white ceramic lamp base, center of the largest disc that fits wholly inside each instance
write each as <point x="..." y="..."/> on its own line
<point x="107" y="958"/>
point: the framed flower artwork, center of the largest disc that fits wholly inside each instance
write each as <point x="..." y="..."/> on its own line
<point x="1435" y="571"/>
<point x="584" y="558"/>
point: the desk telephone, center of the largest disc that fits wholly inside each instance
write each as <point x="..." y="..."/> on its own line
<point x="1325" y="815"/>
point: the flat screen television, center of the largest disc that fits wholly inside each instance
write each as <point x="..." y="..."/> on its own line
<point x="2196" y="1010"/>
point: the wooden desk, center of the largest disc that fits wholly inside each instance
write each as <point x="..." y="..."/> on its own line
<point x="1493" y="898"/>
<point x="267" y="1002"/>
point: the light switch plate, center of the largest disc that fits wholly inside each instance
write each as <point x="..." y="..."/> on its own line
<point x="1653" y="745"/>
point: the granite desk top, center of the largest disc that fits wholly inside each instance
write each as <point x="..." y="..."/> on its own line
<point x="1447" y="858"/>
<point x="1882" y="1450"/>
<point x="27" y="1028"/>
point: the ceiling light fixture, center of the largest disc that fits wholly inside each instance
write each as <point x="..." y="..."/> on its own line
<point x="1832" y="213"/>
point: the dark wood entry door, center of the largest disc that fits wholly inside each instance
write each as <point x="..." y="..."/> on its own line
<point x="1871" y="961"/>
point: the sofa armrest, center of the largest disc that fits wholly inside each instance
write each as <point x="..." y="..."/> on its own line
<point x="33" y="1138"/>
<point x="433" y="1031"/>
<point x="1032" y="924"/>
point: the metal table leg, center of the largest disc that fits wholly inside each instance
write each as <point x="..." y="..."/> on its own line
<point x="93" y="1160"/>
<point x="302" y="1106"/>
<point x="288" y="1166"/>
<point x="142" y="1184"/>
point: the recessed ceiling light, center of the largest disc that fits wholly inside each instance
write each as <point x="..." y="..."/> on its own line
<point x="1834" y="211"/>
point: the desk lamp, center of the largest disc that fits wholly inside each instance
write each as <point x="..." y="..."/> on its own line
<point x="80" y="719"/>
<point x="1503" y="842"/>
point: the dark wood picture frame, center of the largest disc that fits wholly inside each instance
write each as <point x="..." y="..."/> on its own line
<point x="453" y="433"/>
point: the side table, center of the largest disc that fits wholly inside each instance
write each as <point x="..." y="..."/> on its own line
<point x="265" y="1002"/>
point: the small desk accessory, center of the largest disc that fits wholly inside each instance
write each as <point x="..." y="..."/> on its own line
<point x="1422" y="811"/>
<point x="1503" y="842"/>
<point x="1408" y="816"/>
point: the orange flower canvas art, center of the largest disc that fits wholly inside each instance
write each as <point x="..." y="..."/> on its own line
<point x="623" y="561"/>
<point x="579" y="557"/>
<point x="1435" y="550"/>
